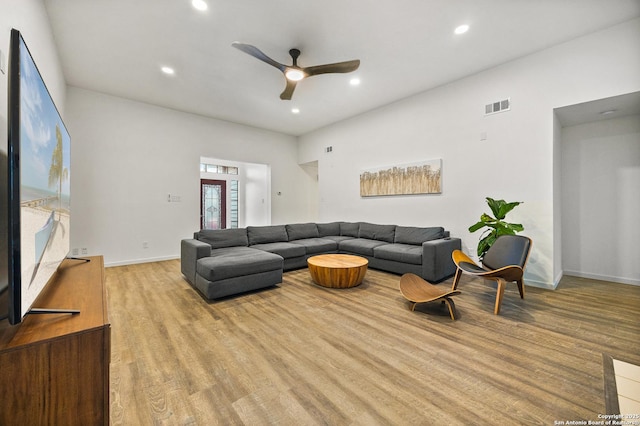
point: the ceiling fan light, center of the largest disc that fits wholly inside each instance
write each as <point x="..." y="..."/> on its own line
<point x="199" y="5"/>
<point x="461" y="29"/>
<point x="294" y="74"/>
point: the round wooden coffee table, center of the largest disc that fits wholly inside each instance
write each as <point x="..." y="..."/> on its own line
<point x="337" y="270"/>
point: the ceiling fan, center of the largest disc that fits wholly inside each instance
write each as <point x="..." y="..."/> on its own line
<point x="294" y="73"/>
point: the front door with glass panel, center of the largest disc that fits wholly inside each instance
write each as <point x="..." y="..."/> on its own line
<point x="213" y="206"/>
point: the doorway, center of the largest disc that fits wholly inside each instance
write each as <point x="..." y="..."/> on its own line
<point x="213" y="204"/>
<point x="248" y="186"/>
<point x="598" y="163"/>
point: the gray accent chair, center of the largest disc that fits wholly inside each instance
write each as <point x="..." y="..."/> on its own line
<point x="504" y="262"/>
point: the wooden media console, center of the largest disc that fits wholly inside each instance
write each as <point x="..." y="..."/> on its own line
<point x="54" y="368"/>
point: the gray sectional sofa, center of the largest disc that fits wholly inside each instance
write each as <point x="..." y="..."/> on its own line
<point x="228" y="261"/>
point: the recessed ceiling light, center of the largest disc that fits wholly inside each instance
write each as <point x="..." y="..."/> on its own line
<point x="199" y="4"/>
<point x="354" y="81"/>
<point x="295" y="110"/>
<point x="461" y="29"/>
<point x="168" y="70"/>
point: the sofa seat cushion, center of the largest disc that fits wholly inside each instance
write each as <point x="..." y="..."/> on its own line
<point x="405" y="253"/>
<point x="337" y="238"/>
<point x="236" y="261"/>
<point x="360" y="246"/>
<point x="317" y="245"/>
<point x="286" y="250"/>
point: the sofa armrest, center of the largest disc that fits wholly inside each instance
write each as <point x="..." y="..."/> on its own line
<point x="190" y="251"/>
<point x="437" y="263"/>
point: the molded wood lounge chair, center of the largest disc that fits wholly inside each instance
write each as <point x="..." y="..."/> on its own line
<point x="417" y="290"/>
<point x="504" y="262"/>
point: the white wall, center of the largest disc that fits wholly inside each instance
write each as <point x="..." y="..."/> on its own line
<point x="557" y="200"/>
<point x="127" y="156"/>
<point x="515" y="162"/>
<point x="601" y="199"/>
<point x="256" y="196"/>
<point x="30" y="18"/>
<point x="312" y="195"/>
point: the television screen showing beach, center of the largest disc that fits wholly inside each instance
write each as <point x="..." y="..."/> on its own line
<point x="44" y="183"/>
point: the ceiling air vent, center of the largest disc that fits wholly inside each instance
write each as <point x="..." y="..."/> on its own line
<point x="499" y="106"/>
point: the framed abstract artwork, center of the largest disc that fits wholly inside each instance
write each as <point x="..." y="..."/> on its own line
<point x="424" y="177"/>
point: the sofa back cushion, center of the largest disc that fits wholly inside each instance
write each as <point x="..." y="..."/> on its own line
<point x="220" y="238"/>
<point x="300" y="231"/>
<point x="267" y="234"/>
<point x="349" y="229"/>
<point x="377" y="232"/>
<point x="414" y="235"/>
<point x="328" y="229"/>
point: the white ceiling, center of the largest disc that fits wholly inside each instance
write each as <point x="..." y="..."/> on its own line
<point x="405" y="47"/>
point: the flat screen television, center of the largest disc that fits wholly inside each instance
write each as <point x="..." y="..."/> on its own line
<point x="38" y="183"/>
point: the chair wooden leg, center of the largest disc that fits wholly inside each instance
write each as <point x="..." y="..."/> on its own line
<point x="456" y="279"/>
<point x="499" y="295"/>
<point x="451" y="306"/>
<point x="521" y="288"/>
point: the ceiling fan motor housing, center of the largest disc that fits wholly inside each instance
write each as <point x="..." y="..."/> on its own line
<point x="294" y="55"/>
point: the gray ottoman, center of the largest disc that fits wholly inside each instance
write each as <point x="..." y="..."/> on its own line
<point x="236" y="270"/>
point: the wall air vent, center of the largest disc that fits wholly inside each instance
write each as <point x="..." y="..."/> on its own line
<point x="499" y="106"/>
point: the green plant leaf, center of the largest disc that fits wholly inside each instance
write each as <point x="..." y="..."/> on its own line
<point x="485" y="243"/>
<point x="494" y="205"/>
<point x="506" y="208"/>
<point x="487" y="219"/>
<point x="517" y="227"/>
<point x="476" y="226"/>
<point x="496" y="226"/>
<point x="504" y="228"/>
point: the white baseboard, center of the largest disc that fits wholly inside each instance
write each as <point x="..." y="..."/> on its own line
<point x="621" y="280"/>
<point x="136" y="261"/>
<point x="540" y="284"/>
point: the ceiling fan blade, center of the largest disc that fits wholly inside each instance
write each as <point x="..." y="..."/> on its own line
<point x="258" y="54"/>
<point x="339" y="67"/>
<point x="288" y="91"/>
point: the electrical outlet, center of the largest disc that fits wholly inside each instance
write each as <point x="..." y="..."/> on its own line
<point x="74" y="252"/>
<point x="84" y="251"/>
<point x="145" y="245"/>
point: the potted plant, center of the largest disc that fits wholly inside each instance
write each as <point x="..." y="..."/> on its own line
<point x="496" y="224"/>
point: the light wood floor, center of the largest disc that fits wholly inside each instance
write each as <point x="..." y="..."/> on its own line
<point x="300" y="354"/>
